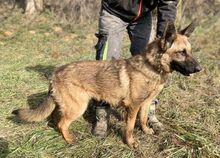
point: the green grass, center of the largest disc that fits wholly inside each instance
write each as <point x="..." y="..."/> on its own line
<point x="189" y="107"/>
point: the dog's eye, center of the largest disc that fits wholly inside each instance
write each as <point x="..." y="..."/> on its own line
<point x="183" y="53"/>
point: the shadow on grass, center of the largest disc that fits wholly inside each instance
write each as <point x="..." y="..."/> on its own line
<point x="35" y="100"/>
<point x="4" y="151"/>
<point x="44" y="70"/>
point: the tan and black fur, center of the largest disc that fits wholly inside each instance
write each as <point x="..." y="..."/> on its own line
<point x="132" y="83"/>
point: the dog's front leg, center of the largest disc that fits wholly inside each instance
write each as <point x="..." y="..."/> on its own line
<point x="145" y="108"/>
<point x="131" y="117"/>
<point x="144" y="116"/>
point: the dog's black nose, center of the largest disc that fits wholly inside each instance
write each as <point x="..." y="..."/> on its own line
<point x="198" y="68"/>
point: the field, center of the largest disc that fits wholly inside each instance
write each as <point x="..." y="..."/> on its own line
<point x="30" y="49"/>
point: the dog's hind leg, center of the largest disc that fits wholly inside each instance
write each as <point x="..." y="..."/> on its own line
<point x="67" y="117"/>
<point x="63" y="127"/>
<point x="74" y="105"/>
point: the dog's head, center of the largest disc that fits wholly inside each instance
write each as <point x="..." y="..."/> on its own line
<point x="177" y="51"/>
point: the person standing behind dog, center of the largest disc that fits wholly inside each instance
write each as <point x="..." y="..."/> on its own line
<point x="133" y="16"/>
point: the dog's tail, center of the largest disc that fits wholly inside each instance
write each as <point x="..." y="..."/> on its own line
<point x="38" y="114"/>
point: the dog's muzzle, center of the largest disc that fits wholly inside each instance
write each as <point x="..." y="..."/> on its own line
<point x="186" y="67"/>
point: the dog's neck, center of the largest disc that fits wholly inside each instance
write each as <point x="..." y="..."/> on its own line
<point x="153" y="55"/>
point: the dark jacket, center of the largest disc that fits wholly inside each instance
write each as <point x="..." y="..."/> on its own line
<point x="132" y="10"/>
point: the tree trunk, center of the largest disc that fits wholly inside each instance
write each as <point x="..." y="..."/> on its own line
<point x="33" y="6"/>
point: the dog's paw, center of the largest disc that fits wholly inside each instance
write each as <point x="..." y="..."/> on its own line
<point x="70" y="139"/>
<point x="148" y="131"/>
<point x="133" y="145"/>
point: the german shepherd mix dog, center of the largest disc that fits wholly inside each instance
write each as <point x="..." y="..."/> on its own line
<point x="132" y="83"/>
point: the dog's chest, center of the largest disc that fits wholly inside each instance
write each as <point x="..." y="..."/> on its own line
<point x="145" y="87"/>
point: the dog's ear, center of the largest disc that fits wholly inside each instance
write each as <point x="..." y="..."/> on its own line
<point x="169" y="35"/>
<point x="189" y="29"/>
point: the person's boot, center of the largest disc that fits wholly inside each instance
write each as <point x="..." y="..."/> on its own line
<point x="102" y="117"/>
<point x="153" y="122"/>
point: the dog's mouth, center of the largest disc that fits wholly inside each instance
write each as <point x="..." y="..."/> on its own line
<point x="186" y="68"/>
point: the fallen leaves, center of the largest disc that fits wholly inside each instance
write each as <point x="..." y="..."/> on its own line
<point x="7" y="33"/>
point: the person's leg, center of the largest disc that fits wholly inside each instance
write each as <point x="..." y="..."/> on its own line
<point x="153" y="122"/>
<point x="139" y="34"/>
<point x="110" y="36"/>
